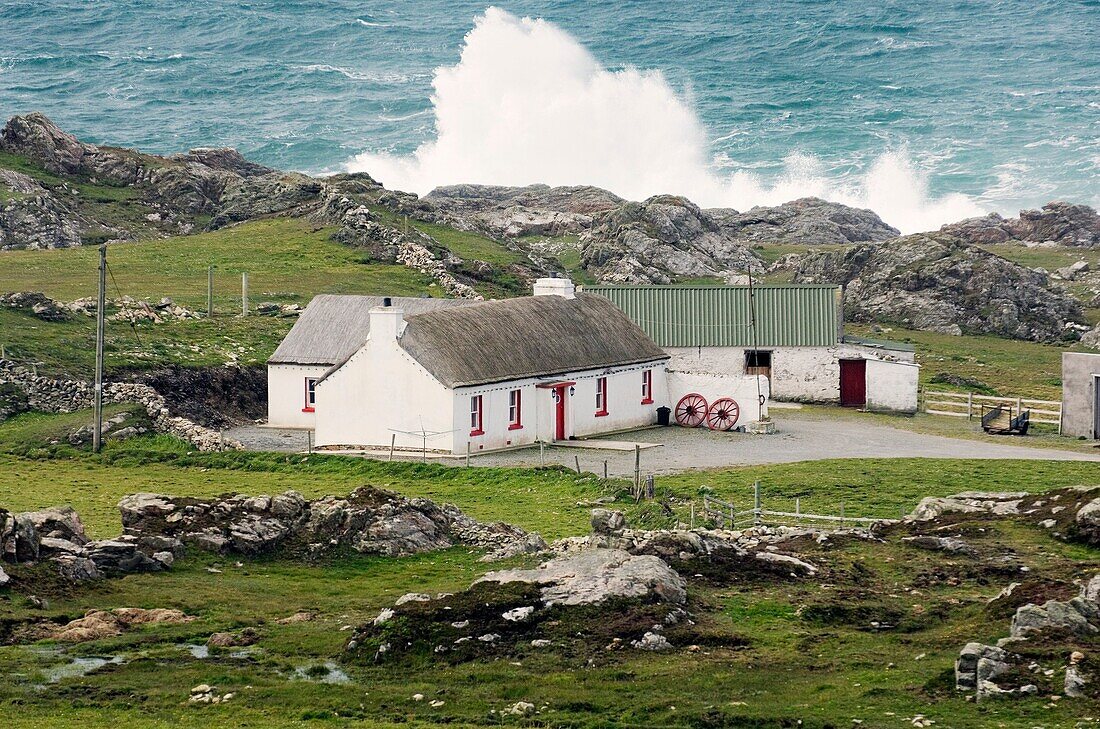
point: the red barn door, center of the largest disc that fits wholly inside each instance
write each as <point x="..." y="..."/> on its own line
<point x="853" y="383"/>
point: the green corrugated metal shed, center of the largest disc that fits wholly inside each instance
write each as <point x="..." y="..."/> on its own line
<point x="719" y="316"/>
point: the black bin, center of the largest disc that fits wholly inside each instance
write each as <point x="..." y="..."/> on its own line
<point x="662" y="415"/>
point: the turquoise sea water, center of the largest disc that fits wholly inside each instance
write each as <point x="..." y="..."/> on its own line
<point x="998" y="100"/>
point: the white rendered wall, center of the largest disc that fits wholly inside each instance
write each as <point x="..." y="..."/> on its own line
<point x="378" y="392"/>
<point x="892" y="386"/>
<point x="1079" y="372"/>
<point x="625" y="408"/>
<point x="286" y="394"/>
<point x="742" y="388"/>
<point x="801" y="374"/>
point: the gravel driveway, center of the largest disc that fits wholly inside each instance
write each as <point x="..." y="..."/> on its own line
<point x="802" y="436"/>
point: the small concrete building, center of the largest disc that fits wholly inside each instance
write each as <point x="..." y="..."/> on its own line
<point x="1081" y="394"/>
<point x="452" y="376"/>
<point x="793" y="335"/>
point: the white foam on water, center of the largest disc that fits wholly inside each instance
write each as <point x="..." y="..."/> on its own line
<point x="527" y="103"/>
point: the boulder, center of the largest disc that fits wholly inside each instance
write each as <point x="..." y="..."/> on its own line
<point x="1056" y="223"/>
<point x="38" y="138"/>
<point x="656" y="241"/>
<point x="607" y="521"/>
<point x="4" y="579"/>
<point x="1052" y="615"/>
<point x="978" y="662"/>
<point x="936" y="282"/>
<point x="59" y="522"/>
<point x="598" y="575"/>
<point x="806" y="221"/>
<point x="369" y="521"/>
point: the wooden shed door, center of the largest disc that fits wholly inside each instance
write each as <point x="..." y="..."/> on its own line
<point x="853" y="383"/>
<point x="1096" y="407"/>
<point x="559" y="413"/>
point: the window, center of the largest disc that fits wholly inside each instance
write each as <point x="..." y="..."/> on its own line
<point x="647" y="387"/>
<point x="515" y="410"/>
<point x="311" y="395"/>
<point x="475" y="415"/>
<point x="601" y="397"/>
<point x="756" y="359"/>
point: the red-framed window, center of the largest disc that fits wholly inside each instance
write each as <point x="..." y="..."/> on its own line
<point x="311" y="395"/>
<point x="476" y="415"/>
<point x="647" y="387"/>
<point x="515" y="410"/>
<point x="601" y="397"/>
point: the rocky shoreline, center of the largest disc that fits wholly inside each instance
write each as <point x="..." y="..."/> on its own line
<point x="938" y="280"/>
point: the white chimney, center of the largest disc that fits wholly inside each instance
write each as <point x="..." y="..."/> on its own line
<point x="386" y="322"/>
<point x="555" y="287"/>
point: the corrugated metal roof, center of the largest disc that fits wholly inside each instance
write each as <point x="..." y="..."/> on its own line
<point x="720" y="316"/>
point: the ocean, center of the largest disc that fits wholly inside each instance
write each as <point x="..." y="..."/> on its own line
<point x="925" y="112"/>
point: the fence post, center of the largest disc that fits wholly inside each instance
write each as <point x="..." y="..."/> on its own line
<point x="605" y="469"/>
<point x="577" y="462"/>
<point x="309" y="442"/>
<point x="542" y="453"/>
<point x="692" y="514"/>
<point x="637" y="466"/>
<point x="797" y="509"/>
<point x="841" y="514"/>
<point x="1019" y="407"/>
<point x="209" y="292"/>
<point x="244" y="294"/>
<point x="467" y="454"/>
<point x="756" y="504"/>
<point x="969" y="406"/>
<point x="393" y="441"/>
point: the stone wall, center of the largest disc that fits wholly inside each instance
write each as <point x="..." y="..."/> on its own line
<point x="65" y="396"/>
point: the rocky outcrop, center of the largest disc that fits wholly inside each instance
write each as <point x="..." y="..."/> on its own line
<point x="658" y="240"/>
<point x="49" y="395"/>
<point x="1056" y="223"/>
<point x="56" y="536"/>
<point x="936" y="282"/>
<point x="510" y="212"/>
<point x="369" y="521"/>
<point x="1072" y="514"/>
<point x="99" y="624"/>
<point x="32" y="218"/>
<point x="598" y="575"/>
<point x="806" y="221"/>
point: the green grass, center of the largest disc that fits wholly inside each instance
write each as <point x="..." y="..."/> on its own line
<point x="763" y="662"/>
<point x="288" y="261"/>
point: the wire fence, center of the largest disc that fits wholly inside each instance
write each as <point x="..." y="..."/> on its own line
<point x="727" y="515"/>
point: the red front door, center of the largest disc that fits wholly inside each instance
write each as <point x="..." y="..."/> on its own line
<point x="853" y="383"/>
<point x="559" y="413"/>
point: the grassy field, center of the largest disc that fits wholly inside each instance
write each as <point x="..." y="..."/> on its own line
<point x="773" y="653"/>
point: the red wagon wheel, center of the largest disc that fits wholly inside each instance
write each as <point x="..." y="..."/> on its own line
<point x="723" y="414"/>
<point x="691" y="411"/>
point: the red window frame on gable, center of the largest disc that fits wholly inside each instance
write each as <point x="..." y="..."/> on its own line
<point x="601" y="397"/>
<point x="515" y="409"/>
<point x="311" y="395"/>
<point x="477" y="413"/>
<point x="647" y="387"/>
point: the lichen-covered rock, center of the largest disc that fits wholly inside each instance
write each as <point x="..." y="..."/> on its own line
<point x="1056" y="223"/>
<point x="660" y="239"/>
<point x="599" y="575"/>
<point x="369" y="520"/>
<point x="935" y="282"/>
<point x="806" y="221"/>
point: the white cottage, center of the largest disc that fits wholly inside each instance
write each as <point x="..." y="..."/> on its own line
<point x="483" y="376"/>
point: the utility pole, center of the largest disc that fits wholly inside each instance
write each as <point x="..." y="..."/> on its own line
<point x="244" y="294"/>
<point x="97" y="433"/>
<point x="209" y="292"/>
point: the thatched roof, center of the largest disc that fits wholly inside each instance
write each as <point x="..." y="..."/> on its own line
<point x="534" y="336"/>
<point x="334" y="327"/>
